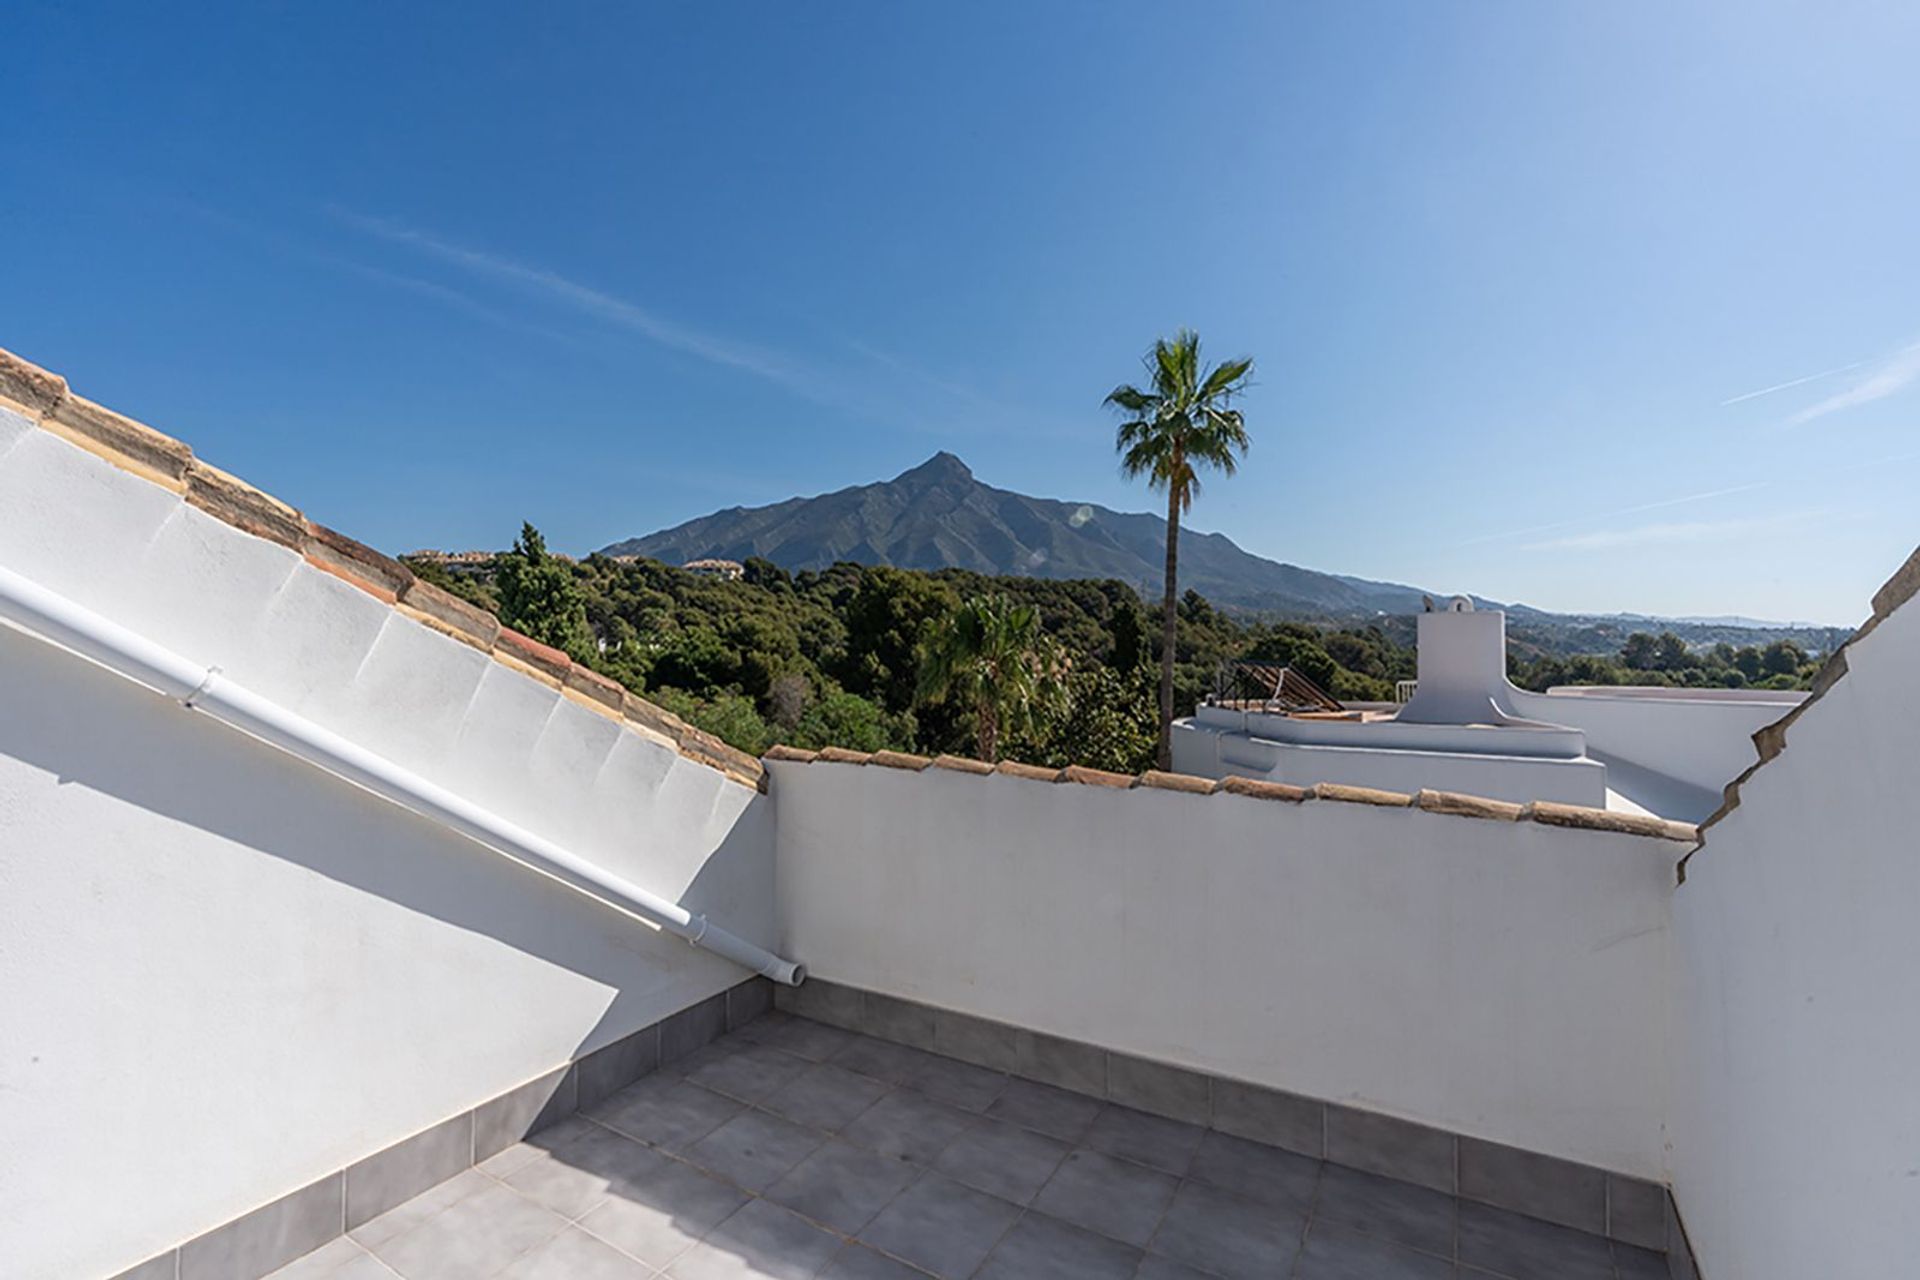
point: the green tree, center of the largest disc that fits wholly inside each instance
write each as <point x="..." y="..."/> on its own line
<point x="540" y="598"/>
<point x="841" y="719"/>
<point x="1180" y="424"/>
<point x="1782" y="658"/>
<point x="887" y="616"/>
<point x="992" y="658"/>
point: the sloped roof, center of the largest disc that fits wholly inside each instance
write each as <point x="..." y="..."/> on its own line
<point x="45" y="399"/>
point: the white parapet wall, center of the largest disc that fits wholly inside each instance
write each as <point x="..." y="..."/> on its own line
<point x="1796" y="1119"/>
<point x="224" y="973"/>
<point x="1500" y="979"/>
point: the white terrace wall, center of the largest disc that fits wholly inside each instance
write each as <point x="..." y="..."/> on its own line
<point x="223" y="973"/>
<point x="1506" y="980"/>
<point x="1797" y="1015"/>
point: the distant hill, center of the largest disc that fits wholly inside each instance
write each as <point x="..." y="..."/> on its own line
<point x="938" y="516"/>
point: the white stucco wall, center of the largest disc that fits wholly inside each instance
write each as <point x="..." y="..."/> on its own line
<point x="1209" y="746"/>
<point x="224" y="973"/>
<point x="1501" y="979"/>
<point x="1797" y="1029"/>
<point x="1699" y="743"/>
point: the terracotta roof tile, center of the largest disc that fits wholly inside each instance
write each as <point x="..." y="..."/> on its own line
<point x="160" y="459"/>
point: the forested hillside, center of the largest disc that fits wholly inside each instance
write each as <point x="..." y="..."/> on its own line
<point x="833" y="657"/>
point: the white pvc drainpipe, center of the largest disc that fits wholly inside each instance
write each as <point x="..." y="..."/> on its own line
<point x="54" y="618"/>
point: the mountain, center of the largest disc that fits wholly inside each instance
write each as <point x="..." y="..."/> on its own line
<point x="939" y="516"/>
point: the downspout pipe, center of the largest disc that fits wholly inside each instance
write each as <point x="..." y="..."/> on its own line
<point x="57" y="620"/>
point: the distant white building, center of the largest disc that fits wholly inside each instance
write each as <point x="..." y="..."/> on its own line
<point x="1468" y="729"/>
<point x="731" y="570"/>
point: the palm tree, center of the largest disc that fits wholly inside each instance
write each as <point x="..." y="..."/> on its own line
<point x="992" y="657"/>
<point x="1182" y="423"/>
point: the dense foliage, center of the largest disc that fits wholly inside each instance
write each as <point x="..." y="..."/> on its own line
<point x="836" y="657"/>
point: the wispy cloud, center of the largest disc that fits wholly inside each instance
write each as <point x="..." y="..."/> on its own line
<point x="1889" y="376"/>
<point x="1659" y="534"/>
<point x="763" y="362"/>
<point x="1794" y="382"/>
<point x="1615" y="514"/>
<point x="296" y="246"/>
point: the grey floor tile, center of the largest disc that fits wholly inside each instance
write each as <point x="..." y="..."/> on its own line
<point x="1391" y="1147"/>
<point x="1511" y="1245"/>
<point x="822" y="1001"/>
<point x="909" y="1126"/>
<point x="958" y="1084"/>
<point x="842" y="1186"/>
<point x="405" y="1169"/>
<point x="980" y="1041"/>
<point x="364" y="1267"/>
<point x="660" y="1218"/>
<point x="161" y="1266"/>
<point x="613" y="1067"/>
<point x="857" y="1262"/>
<point x="1043" y="1248"/>
<point x="881" y="1059"/>
<point x="423" y="1206"/>
<point x="1333" y="1254"/>
<point x="1255" y="1170"/>
<point x="1228" y="1235"/>
<point x="1155" y="1267"/>
<point x="901" y="1021"/>
<point x="825" y="1097"/>
<point x="501" y="1163"/>
<point x="525" y="1111"/>
<point x="751" y="1073"/>
<point x="322" y="1264"/>
<point x="814" y="1041"/>
<point x="667" y="1113"/>
<point x="761" y="1240"/>
<point x="576" y="1176"/>
<point x="1002" y="1159"/>
<point x="1397" y="1211"/>
<point x="941" y="1226"/>
<point x="693" y="1027"/>
<point x="1630" y="1262"/>
<point x="1540" y="1186"/>
<point x="1158" y="1088"/>
<point x="1058" y="1113"/>
<point x="1636" y="1211"/>
<point x="1270" y="1115"/>
<point x="475" y="1237"/>
<point x="754" y="1148"/>
<point x="1066" y="1063"/>
<point x="575" y="1255"/>
<point x="269" y="1237"/>
<point x="1135" y="1135"/>
<point x="1116" y="1198"/>
<point x="748" y="1002"/>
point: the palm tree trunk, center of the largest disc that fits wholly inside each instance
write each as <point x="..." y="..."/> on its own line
<point x="1169" y="616"/>
<point x="986" y="732"/>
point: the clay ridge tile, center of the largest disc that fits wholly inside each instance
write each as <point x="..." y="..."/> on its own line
<point x="160" y="459"/>
<point x="1361" y="795"/>
<point x="1185" y="782"/>
<point x="1261" y="790"/>
<point x="793" y="755"/>
<point x="962" y="764"/>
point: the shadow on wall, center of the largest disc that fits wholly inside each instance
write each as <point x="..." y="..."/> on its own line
<point x="92" y="728"/>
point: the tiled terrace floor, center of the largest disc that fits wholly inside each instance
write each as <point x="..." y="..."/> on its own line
<point x="793" y="1149"/>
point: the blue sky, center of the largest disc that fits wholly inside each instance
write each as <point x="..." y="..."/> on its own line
<point x="1591" y="306"/>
